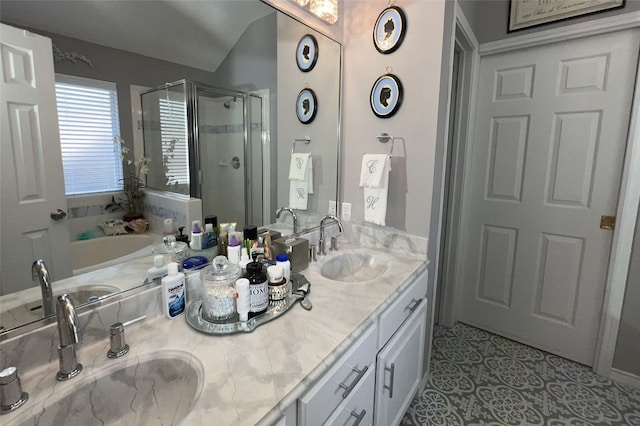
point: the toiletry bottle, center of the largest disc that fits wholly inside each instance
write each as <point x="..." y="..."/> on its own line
<point x="211" y="232"/>
<point x="196" y="235"/>
<point x="243" y="304"/>
<point x="283" y="260"/>
<point x="250" y="239"/>
<point x="168" y="228"/>
<point x="258" y="291"/>
<point x="233" y="251"/>
<point x="244" y="259"/>
<point x="173" y="291"/>
<point x="181" y="237"/>
<point x="158" y="270"/>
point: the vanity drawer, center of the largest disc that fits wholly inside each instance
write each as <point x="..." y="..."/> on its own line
<point x="401" y="309"/>
<point x="340" y="381"/>
<point x="357" y="408"/>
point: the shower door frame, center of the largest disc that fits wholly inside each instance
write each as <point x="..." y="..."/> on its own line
<point x="191" y="90"/>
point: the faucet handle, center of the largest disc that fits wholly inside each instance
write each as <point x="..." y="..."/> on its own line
<point x="11" y="395"/>
<point x="118" y="346"/>
<point x="334" y="243"/>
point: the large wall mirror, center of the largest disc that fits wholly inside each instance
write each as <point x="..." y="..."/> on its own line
<point x="216" y="79"/>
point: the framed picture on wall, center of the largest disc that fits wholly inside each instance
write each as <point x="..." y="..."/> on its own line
<point x="306" y="106"/>
<point x="386" y="96"/>
<point x="529" y="13"/>
<point x="389" y="31"/>
<point x="307" y="53"/>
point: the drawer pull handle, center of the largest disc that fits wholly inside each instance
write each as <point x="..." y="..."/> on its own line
<point x="391" y="373"/>
<point x="348" y="389"/>
<point x="358" y="417"/>
<point x="413" y="305"/>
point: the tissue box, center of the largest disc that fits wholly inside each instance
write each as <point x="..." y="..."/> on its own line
<point x="296" y="248"/>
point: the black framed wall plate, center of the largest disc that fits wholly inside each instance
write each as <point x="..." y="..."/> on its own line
<point x="386" y="96"/>
<point x="307" y="53"/>
<point x="306" y="106"/>
<point x="389" y="31"/>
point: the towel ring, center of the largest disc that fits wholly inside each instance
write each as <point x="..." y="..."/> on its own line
<point x="384" y="138"/>
<point x="306" y="140"/>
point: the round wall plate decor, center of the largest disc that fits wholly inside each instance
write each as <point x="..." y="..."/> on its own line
<point x="386" y="96"/>
<point x="306" y="106"/>
<point x="307" y="53"/>
<point x="389" y="30"/>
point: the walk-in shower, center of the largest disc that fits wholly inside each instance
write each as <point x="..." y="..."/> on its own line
<point x="209" y="143"/>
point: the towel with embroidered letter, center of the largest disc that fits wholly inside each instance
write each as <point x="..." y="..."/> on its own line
<point x="300" y="180"/>
<point x="374" y="178"/>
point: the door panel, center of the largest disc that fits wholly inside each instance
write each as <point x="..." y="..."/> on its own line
<point x="549" y="139"/>
<point x="32" y="177"/>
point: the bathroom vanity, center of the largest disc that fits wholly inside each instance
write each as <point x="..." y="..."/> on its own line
<point x="358" y="355"/>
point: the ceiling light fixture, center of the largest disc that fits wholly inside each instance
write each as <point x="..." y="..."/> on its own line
<point x="326" y="10"/>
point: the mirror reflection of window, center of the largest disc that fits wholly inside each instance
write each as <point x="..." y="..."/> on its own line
<point x="88" y="122"/>
<point x="175" y="151"/>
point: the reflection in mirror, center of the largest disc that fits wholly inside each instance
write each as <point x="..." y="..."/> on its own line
<point x="242" y="55"/>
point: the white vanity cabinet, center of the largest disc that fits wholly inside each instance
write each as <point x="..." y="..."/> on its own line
<point x="399" y="368"/>
<point x="374" y="382"/>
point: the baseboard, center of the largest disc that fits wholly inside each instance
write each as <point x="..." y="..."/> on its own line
<point x="625" y="378"/>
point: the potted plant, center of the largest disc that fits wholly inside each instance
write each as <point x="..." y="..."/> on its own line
<point x="133" y="180"/>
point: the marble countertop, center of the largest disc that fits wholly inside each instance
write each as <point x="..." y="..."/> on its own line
<point x="247" y="378"/>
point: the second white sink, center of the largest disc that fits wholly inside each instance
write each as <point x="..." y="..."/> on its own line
<point x="353" y="267"/>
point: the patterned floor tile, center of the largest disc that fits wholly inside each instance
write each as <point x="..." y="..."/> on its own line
<point x="478" y="378"/>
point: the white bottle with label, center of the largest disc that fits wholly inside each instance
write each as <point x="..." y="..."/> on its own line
<point x="243" y="304"/>
<point x="173" y="291"/>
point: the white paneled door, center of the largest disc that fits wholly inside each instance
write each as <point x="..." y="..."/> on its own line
<point x="31" y="165"/>
<point x="547" y="154"/>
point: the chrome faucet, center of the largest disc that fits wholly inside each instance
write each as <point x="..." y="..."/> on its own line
<point x="40" y="273"/>
<point x="69" y="331"/>
<point x="293" y="215"/>
<point x="321" y="251"/>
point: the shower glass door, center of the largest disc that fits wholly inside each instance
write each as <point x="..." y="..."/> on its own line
<point x="221" y="151"/>
<point x="164" y="115"/>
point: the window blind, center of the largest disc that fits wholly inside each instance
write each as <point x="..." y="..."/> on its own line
<point x="175" y="152"/>
<point x="88" y="121"/>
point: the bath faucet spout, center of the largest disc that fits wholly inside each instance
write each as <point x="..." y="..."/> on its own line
<point x="40" y="273"/>
<point x="321" y="243"/>
<point x="69" y="332"/>
<point x="293" y="215"/>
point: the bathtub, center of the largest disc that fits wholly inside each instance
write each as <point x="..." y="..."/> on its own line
<point x="98" y="253"/>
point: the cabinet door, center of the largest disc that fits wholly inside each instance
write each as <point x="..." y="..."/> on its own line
<point x="399" y="369"/>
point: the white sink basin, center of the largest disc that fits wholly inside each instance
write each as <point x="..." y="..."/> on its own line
<point x="158" y="391"/>
<point x="353" y="267"/>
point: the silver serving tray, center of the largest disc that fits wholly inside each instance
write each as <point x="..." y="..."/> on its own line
<point x="300" y="287"/>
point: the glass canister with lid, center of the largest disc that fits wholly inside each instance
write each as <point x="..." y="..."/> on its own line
<point x="172" y="250"/>
<point x="218" y="290"/>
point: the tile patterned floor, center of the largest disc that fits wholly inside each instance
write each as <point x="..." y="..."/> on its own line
<point x="478" y="378"/>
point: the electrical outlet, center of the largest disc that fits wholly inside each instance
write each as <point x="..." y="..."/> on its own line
<point x="333" y="209"/>
<point x="346" y="212"/>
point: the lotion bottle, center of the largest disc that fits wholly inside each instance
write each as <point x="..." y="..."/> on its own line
<point x="233" y="251"/>
<point x="243" y="304"/>
<point x="196" y="235"/>
<point x="173" y="291"/>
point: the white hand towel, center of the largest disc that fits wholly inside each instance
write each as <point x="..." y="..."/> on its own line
<point x="375" y="199"/>
<point x="299" y="165"/>
<point x="298" y="194"/>
<point x="301" y="180"/>
<point x="373" y="168"/>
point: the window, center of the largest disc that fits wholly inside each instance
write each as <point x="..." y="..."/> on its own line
<point x="88" y="120"/>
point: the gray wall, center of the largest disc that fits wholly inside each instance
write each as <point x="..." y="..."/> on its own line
<point x="627" y="355"/>
<point x="490" y="18"/>
<point x="122" y="67"/>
